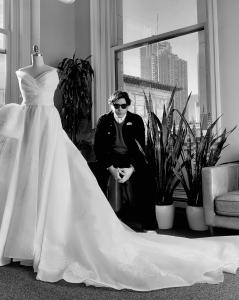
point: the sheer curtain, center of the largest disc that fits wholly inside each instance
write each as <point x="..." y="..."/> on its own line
<point x="103" y="37"/>
<point x="24" y="25"/>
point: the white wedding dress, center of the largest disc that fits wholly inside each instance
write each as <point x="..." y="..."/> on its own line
<point x="53" y="213"/>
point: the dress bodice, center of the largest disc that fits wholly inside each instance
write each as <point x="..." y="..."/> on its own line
<point x="38" y="90"/>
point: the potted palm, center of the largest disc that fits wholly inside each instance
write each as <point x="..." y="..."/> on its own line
<point x="163" y="149"/>
<point x="201" y="150"/>
<point x="75" y="85"/>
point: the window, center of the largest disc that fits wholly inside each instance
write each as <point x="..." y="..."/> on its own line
<point x="4" y="35"/>
<point x="163" y="45"/>
<point x="15" y="44"/>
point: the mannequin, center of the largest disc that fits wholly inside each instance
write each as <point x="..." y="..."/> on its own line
<point x="38" y="66"/>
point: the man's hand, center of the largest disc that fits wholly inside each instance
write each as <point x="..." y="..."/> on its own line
<point x="125" y="174"/>
<point x="114" y="172"/>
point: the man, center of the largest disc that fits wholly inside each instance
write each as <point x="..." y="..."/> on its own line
<point x="123" y="177"/>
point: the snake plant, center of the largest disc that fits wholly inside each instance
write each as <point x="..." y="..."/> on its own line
<point x="164" y="145"/>
<point x="200" y="151"/>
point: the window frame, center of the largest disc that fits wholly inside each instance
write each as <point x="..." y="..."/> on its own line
<point x="212" y="70"/>
<point x="22" y="27"/>
<point x="151" y="40"/>
<point x="210" y="28"/>
<point x="6" y="31"/>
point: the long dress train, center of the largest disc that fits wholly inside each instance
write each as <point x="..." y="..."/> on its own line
<point x="53" y="213"/>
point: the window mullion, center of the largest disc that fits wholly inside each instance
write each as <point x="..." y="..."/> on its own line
<point x="160" y="37"/>
<point x="7" y="32"/>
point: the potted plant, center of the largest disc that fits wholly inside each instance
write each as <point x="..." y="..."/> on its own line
<point x="163" y="149"/>
<point x="201" y="150"/>
<point x="75" y="85"/>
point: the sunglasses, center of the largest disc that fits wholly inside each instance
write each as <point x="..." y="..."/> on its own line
<point x="116" y="106"/>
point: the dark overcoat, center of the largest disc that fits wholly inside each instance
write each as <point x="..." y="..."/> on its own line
<point x="133" y="132"/>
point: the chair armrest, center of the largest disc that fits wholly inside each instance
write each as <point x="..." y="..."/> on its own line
<point x="216" y="181"/>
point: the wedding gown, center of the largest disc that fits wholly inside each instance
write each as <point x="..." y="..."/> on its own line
<point x="53" y="213"/>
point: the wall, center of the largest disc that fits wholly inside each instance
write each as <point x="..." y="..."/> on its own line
<point x="82" y="32"/>
<point x="229" y="72"/>
<point x="64" y="29"/>
<point x="57" y="35"/>
<point x="57" y="30"/>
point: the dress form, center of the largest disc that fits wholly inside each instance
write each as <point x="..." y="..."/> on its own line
<point x="38" y="66"/>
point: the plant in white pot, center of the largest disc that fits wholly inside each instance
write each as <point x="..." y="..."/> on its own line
<point x="202" y="150"/>
<point x="163" y="149"/>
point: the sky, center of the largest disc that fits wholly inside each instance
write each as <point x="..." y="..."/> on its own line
<point x="144" y="18"/>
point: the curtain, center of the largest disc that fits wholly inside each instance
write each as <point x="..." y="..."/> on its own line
<point x="24" y="25"/>
<point x="103" y="37"/>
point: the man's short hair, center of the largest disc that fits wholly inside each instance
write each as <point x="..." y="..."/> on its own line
<point x="118" y="95"/>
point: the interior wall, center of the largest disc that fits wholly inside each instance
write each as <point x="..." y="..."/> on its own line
<point x="57" y="31"/>
<point x="82" y="32"/>
<point x="64" y="30"/>
<point x="228" y="23"/>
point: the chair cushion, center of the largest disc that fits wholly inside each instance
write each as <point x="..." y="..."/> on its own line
<point x="228" y="204"/>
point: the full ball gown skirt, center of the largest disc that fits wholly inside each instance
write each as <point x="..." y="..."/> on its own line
<point x="53" y="213"/>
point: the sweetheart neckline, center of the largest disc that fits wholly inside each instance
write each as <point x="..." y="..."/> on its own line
<point x="39" y="75"/>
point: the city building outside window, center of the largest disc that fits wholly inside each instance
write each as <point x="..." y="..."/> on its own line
<point x="163" y="45"/>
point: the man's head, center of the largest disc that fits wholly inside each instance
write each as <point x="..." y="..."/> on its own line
<point x="119" y="102"/>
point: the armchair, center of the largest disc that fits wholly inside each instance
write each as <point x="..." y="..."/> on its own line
<point x="220" y="186"/>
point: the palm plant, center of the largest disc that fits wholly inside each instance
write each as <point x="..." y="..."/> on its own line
<point x="163" y="149"/>
<point x="75" y="84"/>
<point x="200" y="151"/>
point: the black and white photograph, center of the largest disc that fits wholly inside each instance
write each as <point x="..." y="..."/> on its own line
<point x="119" y="149"/>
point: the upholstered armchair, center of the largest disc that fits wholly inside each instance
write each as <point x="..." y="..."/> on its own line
<point x="221" y="196"/>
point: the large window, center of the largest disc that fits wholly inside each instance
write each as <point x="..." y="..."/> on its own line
<point x="3" y="50"/>
<point x="15" y="44"/>
<point x="163" y="45"/>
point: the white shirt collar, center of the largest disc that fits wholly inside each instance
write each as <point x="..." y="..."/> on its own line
<point x="119" y="120"/>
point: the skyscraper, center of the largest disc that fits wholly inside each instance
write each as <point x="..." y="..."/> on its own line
<point x="159" y="64"/>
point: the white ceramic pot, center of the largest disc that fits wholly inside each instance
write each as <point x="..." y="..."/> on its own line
<point x="165" y="216"/>
<point x="195" y="216"/>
